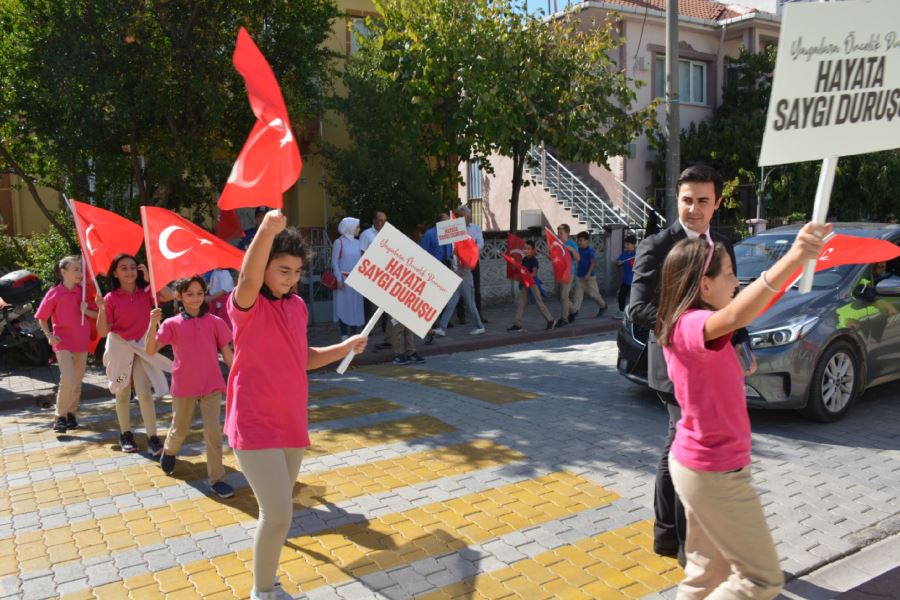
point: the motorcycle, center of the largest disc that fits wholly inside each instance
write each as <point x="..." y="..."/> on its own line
<point x="19" y="329"/>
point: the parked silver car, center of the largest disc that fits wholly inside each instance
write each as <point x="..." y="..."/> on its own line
<point x="816" y="352"/>
<point x="819" y="351"/>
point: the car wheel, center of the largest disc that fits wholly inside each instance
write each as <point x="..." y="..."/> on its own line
<point x="834" y="383"/>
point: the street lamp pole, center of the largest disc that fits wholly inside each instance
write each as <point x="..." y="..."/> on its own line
<point x="673" y="126"/>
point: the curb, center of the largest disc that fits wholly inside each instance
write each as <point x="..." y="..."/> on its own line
<point x="441" y="346"/>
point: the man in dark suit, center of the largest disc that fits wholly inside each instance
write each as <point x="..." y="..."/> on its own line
<point x="699" y="192"/>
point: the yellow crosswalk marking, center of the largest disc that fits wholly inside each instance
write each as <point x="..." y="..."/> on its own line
<point x="614" y="564"/>
<point x="79" y="488"/>
<point x="485" y="391"/>
<point x="354" y="550"/>
<point x="131" y="529"/>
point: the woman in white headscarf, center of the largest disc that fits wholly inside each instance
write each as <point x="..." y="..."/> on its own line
<point x="348" y="303"/>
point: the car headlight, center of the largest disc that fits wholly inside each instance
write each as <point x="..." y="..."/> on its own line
<point x="790" y="332"/>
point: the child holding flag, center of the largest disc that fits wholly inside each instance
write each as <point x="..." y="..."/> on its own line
<point x="197" y="337"/>
<point x="530" y="262"/>
<point x="729" y="550"/>
<point x="266" y="405"/>
<point x="123" y="316"/>
<point x="70" y="337"/>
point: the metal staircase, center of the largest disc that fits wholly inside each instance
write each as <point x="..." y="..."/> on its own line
<point x="596" y="212"/>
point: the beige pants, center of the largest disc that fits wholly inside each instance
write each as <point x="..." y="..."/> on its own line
<point x="565" y="298"/>
<point x="402" y="339"/>
<point x="145" y="399"/>
<point x="730" y="553"/>
<point x="271" y="474"/>
<point x="183" y="415"/>
<point x="71" y="373"/>
<point x="522" y="301"/>
<point x="587" y="285"/>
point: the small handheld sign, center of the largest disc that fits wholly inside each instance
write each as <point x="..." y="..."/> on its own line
<point x="451" y="230"/>
<point x="403" y="280"/>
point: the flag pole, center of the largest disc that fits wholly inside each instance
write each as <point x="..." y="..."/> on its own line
<point x="820" y="214"/>
<point x="84" y="259"/>
<point x="149" y="255"/>
<point x="342" y="368"/>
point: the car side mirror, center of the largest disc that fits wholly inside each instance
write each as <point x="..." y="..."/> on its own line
<point x="889" y="286"/>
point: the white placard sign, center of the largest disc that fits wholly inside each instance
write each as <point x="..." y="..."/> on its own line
<point x="451" y="230"/>
<point x="406" y="281"/>
<point x="836" y="90"/>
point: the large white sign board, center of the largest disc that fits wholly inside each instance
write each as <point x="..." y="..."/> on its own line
<point x="836" y="90"/>
<point x="451" y="230"/>
<point x="408" y="283"/>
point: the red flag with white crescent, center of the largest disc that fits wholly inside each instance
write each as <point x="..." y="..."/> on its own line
<point x="515" y="247"/>
<point x="177" y="248"/>
<point x="841" y="249"/>
<point x="519" y="272"/>
<point x="560" y="257"/>
<point x="269" y="163"/>
<point x="104" y="234"/>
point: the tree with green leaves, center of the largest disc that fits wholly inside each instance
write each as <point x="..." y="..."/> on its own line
<point x="865" y="185"/>
<point x="553" y="82"/>
<point x="384" y="165"/>
<point x="131" y="102"/>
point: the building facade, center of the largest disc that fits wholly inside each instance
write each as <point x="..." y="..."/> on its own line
<point x="710" y="35"/>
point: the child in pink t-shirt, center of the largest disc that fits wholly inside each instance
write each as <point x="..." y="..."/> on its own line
<point x="71" y="335"/>
<point x="125" y="312"/>
<point x="729" y="549"/>
<point x="197" y="337"/>
<point x="266" y="403"/>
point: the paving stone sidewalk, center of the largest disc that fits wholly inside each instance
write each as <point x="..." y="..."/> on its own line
<point x="524" y="471"/>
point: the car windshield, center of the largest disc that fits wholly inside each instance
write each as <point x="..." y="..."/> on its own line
<point x="756" y="254"/>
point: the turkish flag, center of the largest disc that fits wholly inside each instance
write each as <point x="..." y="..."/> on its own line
<point x="518" y="271"/>
<point x="90" y="292"/>
<point x="269" y="162"/>
<point x="177" y="248"/>
<point x="840" y="250"/>
<point x="228" y="225"/>
<point x="467" y="252"/>
<point x="104" y="234"/>
<point x="515" y="247"/>
<point x="560" y="257"/>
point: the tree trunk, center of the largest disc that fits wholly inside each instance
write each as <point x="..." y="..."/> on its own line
<point x="518" y="156"/>
<point x="7" y="157"/>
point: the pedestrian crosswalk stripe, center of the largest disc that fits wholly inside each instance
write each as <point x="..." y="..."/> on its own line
<point x="615" y="564"/>
<point x="52" y="492"/>
<point x="144" y="527"/>
<point x="485" y="391"/>
<point x="357" y="549"/>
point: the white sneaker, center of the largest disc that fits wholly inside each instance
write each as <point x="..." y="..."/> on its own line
<point x="477" y="331"/>
<point x="439" y="332"/>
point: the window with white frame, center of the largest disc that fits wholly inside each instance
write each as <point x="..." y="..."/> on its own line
<point x="358" y="27"/>
<point x="473" y="181"/>
<point x="691" y="80"/>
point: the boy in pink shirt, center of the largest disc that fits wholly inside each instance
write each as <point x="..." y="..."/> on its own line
<point x="266" y="406"/>
<point x="729" y="550"/>
<point x="197" y="337"/>
<point x="71" y="335"/>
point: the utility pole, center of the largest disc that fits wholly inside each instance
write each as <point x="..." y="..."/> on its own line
<point x="673" y="124"/>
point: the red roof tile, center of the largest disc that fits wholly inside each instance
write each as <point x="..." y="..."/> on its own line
<point x="701" y="9"/>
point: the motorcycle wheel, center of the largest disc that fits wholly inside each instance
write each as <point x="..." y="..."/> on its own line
<point x="36" y="351"/>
